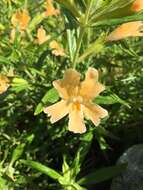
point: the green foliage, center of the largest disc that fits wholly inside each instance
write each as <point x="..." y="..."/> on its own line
<point x="111" y="99"/>
<point x="43" y="169"/>
<point x="50" y="97"/>
<point x="102" y="174"/>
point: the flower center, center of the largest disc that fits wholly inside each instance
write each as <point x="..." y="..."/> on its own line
<point x="77" y="101"/>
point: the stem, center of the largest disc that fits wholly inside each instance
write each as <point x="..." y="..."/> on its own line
<point x="81" y="34"/>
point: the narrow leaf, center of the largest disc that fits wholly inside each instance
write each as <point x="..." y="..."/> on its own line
<point x="42" y="168"/>
<point x="50" y="97"/>
<point x="111" y="99"/>
<point x="68" y="4"/>
<point x="17" y="152"/>
<point x="102" y="174"/>
<point x="94" y="48"/>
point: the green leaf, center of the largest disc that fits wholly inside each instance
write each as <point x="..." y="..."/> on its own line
<point x="71" y="6"/>
<point x="71" y="42"/>
<point x="111" y="99"/>
<point x="77" y="187"/>
<point x="39" y="109"/>
<point x="103" y="144"/>
<point x="82" y="151"/>
<point x="35" y="21"/>
<point x="10" y="172"/>
<point x="102" y="174"/>
<point x="17" y="152"/>
<point x="100" y="131"/>
<point x="50" y="97"/>
<point x="115" y="9"/>
<point x="115" y="21"/>
<point x="66" y="169"/>
<point x="118" y="4"/>
<point x="19" y="84"/>
<point x="94" y="48"/>
<point x="4" y="60"/>
<point x="30" y="138"/>
<point x="2" y="183"/>
<point x="2" y="27"/>
<point x="33" y="70"/>
<point x="42" y="168"/>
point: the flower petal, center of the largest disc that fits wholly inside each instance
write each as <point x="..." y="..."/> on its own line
<point x="20" y="18"/>
<point x="90" y="88"/>
<point x="68" y="86"/>
<point x="3" y="88"/>
<point x="71" y="78"/>
<point x="58" y="52"/>
<point x="4" y="83"/>
<point x="3" y="79"/>
<point x="41" y="35"/>
<point x="92" y="74"/>
<point x="50" y="10"/>
<point x="76" y="121"/>
<point x="95" y="113"/>
<point x="129" y="29"/>
<point x="25" y="18"/>
<point x="137" y="6"/>
<point x="57" y="111"/>
<point x="54" y="45"/>
<point x="61" y="89"/>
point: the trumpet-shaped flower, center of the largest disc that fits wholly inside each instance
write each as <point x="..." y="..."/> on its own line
<point x="50" y="10"/>
<point x="77" y="99"/>
<point x="20" y="19"/>
<point x="57" y="50"/>
<point x="41" y="35"/>
<point x="130" y="29"/>
<point x="4" y="84"/>
<point x="137" y="6"/>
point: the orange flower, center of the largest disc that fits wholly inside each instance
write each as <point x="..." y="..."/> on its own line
<point x="54" y="45"/>
<point x="41" y="35"/>
<point x="57" y="50"/>
<point x="50" y="10"/>
<point x="130" y="29"/>
<point x="21" y="19"/>
<point x="77" y="100"/>
<point x="137" y="6"/>
<point x="4" y="84"/>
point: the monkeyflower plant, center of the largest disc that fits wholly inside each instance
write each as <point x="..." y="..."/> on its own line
<point x="77" y="96"/>
<point x="51" y="37"/>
